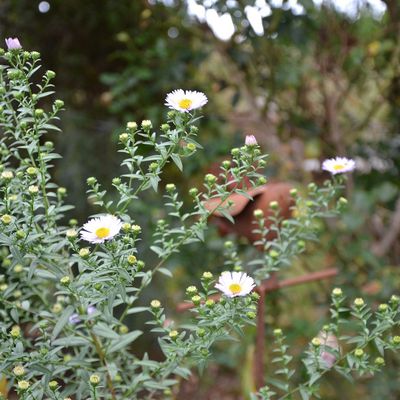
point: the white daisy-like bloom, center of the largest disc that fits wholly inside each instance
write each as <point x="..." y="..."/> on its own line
<point x="338" y="165"/>
<point x="185" y="100"/>
<point x="234" y="284"/>
<point x="100" y="229"/>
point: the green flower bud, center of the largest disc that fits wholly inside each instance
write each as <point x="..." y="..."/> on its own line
<point x="395" y="300"/>
<point x="165" y="127"/>
<point x="173" y="334"/>
<point x="123" y="329"/>
<point x="342" y="202"/>
<point x="251" y="315"/>
<point x="258" y="213"/>
<point x="274" y="205"/>
<point x="62" y="191"/>
<point x="337" y="292"/>
<point x="91" y="181"/>
<point x="132" y="259"/>
<point x="20" y="234"/>
<point x="194" y="129"/>
<point x="71" y="233"/>
<point x="65" y="280"/>
<point x="170" y="187"/>
<point x="207" y="276"/>
<point x="94" y="380"/>
<point x="39" y="113"/>
<point x="261" y="181"/>
<point x="193" y="192"/>
<point x="191" y="290"/>
<point x="18" y="268"/>
<point x="210" y="303"/>
<point x="59" y="104"/>
<point x="3" y="287"/>
<point x="359" y="353"/>
<point x="273" y="254"/>
<point x="301" y="244"/>
<point x="153" y="167"/>
<point x="31" y="171"/>
<point x="136" y="229"/>
<point x="201" y="332"/>
<point x="140" y="265"/>
<point x="228" y="244"/>
<point x="6" y="219"/>
<point x="15" y="332"/>
<point x="293" y="192"/>
<point x="73" y="222"/>
<point x="396" y="340"/>
<point x="57" y="308"/>
<point x="126" y="227"/>
<point x="191" y="147"/>
<point x="235" y="152"/>
<point x="116" y="181"/>
<point x="196" y="300"/>
<point x="97" y="286"/>
<point x="312" y="186"/>
<point x="226" y="164"/>
<point x="278" y="332"/>
<point x="379" y="361"/>
<point x="255" y="296"/>
<point x="49" y="145"/>
<point x="210" y="179"/>
<point x="383" y="307"/>
<point x="359" y="302"/>
<point x="84" y="252"/>
<point x="50" y="74"/>
<point x="316" y="342"/>
<point x="53" y="385"/>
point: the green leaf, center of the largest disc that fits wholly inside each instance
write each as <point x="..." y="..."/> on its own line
<point x="124" y="340"/>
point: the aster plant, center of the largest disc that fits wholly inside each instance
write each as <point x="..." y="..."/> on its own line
<point x="66" y="292"/>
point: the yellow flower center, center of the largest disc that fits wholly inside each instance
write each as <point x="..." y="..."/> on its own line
<point x="338" y="167"/>
<point x="185" y="103"/>
<point x="235" y="288"/>
<point x="101" y="233"/>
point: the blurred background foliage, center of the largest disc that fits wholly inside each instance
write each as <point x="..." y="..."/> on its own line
<point x="315" y="82"/>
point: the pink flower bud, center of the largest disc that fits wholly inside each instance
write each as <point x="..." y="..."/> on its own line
<point x="250" y="140"/>
<point x="13" y="44"/>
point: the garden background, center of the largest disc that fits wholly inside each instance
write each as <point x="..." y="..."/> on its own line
<point x="309" y="81"/>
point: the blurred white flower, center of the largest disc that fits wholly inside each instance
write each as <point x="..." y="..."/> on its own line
<point x="100" y="229"/>
<point x="185" y="100"/>
<point x="250" y="140"/>
<point x="338" y="165"/>
<point x="234" y="284"/>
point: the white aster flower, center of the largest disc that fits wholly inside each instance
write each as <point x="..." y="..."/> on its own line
<point x="100" y="229"/>
<point x="185" y="100"/>
<point x="338" y="165"/>
<point x="235" y="284"/>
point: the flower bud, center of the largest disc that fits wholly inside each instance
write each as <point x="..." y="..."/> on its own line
<point x="201" y="332"/>
<point x="316" y="342"/>
<point x="173" y="334"/>
<point x="71" y="233"/>
<point x="94" y="380"/>
<point x="207" y="276"/>
<point x="191" y="147"/>
<point x="395" y="299"/>
<point x="126" y="227"/>
<point x="91" y="181"/>
<point x="337" y="292"/>
<point x="136" y="229"/>
<point x="33" y="189"/>
<point x="7" y="175"/>
<point x="251" y="315"/>
<point x="19" y="370"/>
<point x="20" y="234"/>
<point x="57" y="308"/>
<point x="261" y="181"/>
<point x="258" y="213"/>
<point x="84" y="252"/>
<point x="153" y="167"/>
<point x="396" y="340"/>
<point x="116" y="181"/>
<point x="250" y="141"/>
<point x="383" y="307"/>
<point x="170" y="187"/>
<point x="65" y="280"/>
<point x="273" y="254"/>
<point x="53" y="385"/>
<point x="359" y="353"/>
<point x="62" y="191"/>
<point x="146" y="125"/>
<point x="235" y="151"/>
<point x="193" y="192"/>
<point x="379" y="362"/>
<point x="155" y="304"/>
<point x="359" y="302"/>
<point x="18" y="268"/>
<point x="15" y="332"/>
<point x="278" y="332"/>
<point x="132" y="125"/>
<point x="50" y="74"/>
<point x="39" y="113"/>
<point x="226" y="164"/>
<point x="293" y="192"/>
<point x="191" y="290"/>
<point x="49" y="145"/>
<point x="342" y="202"/>
<point x="196" y="300"/>
<point x="3" y="287"/>
<point x="123" y="137"/>
<point x="59" y="104"/>
<point x="31" y="171"/>
<point x="140" y="265"/>
<point x="132" y="259"/>
<point x="255" y="296"/>
<point x="210" y="303"/>
<point x="210" y="179"/>
<point x="274" y="205"/>
<point x="6" y="219"/>
<point x="123" y="329"/>
<point x="23" y="385"/>
<point x="165" y="127"/>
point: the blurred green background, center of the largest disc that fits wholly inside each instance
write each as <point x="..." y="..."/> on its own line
<point x="309" y="81"/>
